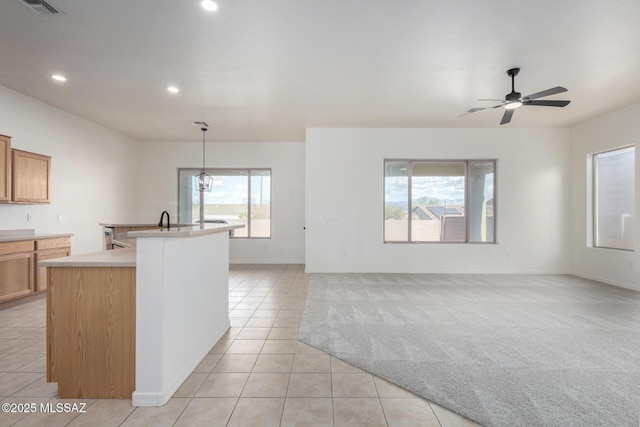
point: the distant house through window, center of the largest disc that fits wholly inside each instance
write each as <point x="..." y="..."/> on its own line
<point x="439" y="201"/>
<point x="613" y="199"/>
<point x="238" y="196"/>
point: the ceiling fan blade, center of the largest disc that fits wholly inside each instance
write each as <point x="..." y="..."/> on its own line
<point x="478" y="109"/>
<point x="548" y="103"/>
<point x="506" y="118"/>
<point x="492" y="99"/>
<point x="552" y="91"/>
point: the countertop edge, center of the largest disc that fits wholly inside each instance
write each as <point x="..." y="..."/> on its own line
<point x="115" y="258"/>
<point x="184" y="231"/>
<point x="138" y="224"/>
<point x="33" y="237"/>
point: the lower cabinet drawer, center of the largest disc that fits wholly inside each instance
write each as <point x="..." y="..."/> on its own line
<point x="56" y="242"/>
<point x="17" y="246"/>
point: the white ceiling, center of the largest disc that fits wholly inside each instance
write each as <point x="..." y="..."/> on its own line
<point x="259" y="70"/>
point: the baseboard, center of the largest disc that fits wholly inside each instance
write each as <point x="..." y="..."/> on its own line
<point x="21" y="300"/>
<point x="146" y="399"/>
<point x="163" y="396"/>
<point x="405" y="271"/>
<point x="607" y="281"/>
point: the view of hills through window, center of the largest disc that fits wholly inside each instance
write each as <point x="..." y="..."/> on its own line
<point x="426" y="201"/>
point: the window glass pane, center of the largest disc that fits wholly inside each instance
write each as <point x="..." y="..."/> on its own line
<point x="396" y="201"/>
<point x="228" y="199"/>
<point x="238" y="196"/>
<point x="480" y="209"/>
<point x="437" y="202"/>
<point x="188" y="197"/>
<point x="260" y="203"/>
<point x="614" y="199"/>
<point x="433" y="200"/>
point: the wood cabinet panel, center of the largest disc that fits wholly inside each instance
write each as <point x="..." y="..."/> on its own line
<point x="31" y="175"/>
<point x="41" y="275"/>
<point x="56" y="242"/>
<point x="7" y="248"/>
<point x="5" y="168"/>
<point x="91" y="331"/>
<point x="16" y="275"/>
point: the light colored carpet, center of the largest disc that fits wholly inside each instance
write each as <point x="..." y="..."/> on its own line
<point x="502" y="350"/>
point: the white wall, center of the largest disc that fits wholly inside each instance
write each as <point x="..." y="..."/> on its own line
<point x="93" y="172"/>
<point x="99" y="175"/>
<point x="613" y="130"/>
<point x="344" y="200"/>
<point x="286" y="160"/>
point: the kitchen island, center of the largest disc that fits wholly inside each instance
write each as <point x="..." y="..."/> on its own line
<point x="134" y="323"/>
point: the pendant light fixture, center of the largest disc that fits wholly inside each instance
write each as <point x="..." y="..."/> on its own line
<point x="204" y="181"/>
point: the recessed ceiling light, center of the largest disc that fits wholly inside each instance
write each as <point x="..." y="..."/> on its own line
<point x="58" y="78"/>
<point x="173" y="89"/>
<point x="209" y="5"/>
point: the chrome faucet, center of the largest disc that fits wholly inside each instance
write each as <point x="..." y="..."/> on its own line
<point x="162" y="218"/>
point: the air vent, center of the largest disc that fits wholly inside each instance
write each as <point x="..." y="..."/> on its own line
<point x="41" y="7"/>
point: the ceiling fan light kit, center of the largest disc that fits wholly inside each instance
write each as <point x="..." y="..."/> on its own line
<point x="515" y="99"/>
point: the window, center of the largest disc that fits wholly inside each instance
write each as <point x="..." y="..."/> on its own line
<point x="439" y="201"/>
<point x="613" y="199"/>
<point x="238" y="196"/>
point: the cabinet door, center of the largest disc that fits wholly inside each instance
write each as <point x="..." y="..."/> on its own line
<point x="41" y="277"/>
<point x="5" y="168"/>
<point x="16" y="275"/>
<point x="31" y="174"/>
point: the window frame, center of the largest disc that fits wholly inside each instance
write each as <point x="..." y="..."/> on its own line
<point x="467" y="198"/>
<point x="594" y="197"/>
<point x="249" y="172"/>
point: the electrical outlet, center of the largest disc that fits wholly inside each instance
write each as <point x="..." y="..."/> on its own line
<point x="59" y="217"/>
<point x="29" y="217"/>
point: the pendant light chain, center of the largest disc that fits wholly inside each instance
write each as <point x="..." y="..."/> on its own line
<point x="204" y="130"/>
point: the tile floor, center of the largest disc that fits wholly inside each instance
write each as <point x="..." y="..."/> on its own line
<point x="258" y="374"/>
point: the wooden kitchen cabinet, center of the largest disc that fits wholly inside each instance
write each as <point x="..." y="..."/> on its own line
<point x="5" y="168"/>
<point x="31" y="177"/>
<point x="16" y="269"/>
<point x="19" y="271"/>
<point x="25" y="177"/>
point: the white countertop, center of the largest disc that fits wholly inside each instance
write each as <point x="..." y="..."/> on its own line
<point x="126" y="257"/>
<point x="115" y="258"/>
<point x="190" y="231"/>
<point x="27" y="234"/>
<point x="138" y="224"/>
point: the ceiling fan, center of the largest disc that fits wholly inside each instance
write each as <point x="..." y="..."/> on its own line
<point x="514" y="99"/>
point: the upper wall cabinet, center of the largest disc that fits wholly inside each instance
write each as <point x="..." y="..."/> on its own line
<point x="31" y="177"/>
<point x="24" y="177"/>
<point x="5" y="168"/>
